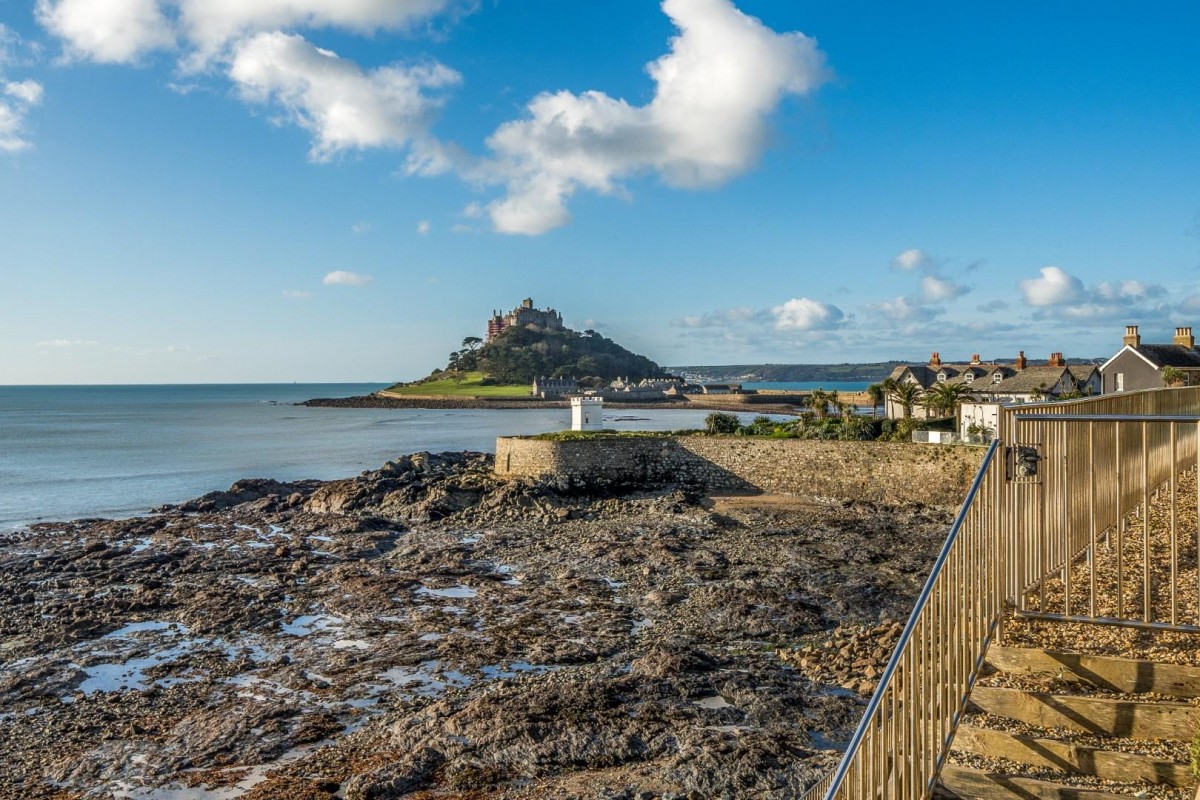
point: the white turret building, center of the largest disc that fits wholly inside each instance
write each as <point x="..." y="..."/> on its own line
<point x="587" y="414"/>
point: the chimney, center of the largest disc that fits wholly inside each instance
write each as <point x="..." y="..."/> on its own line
<point x="975" y="359"/>
<point x="1021" y="362"/>
<point x="1184" y="338"/>
<point x="1056" y="360"/>
<point x="1132" y="339"/>
<point x="935" y="360"/>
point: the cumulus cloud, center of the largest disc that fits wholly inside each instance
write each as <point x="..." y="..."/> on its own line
<point x="1055" y="287"/>
<point x="940" y="290"/>
<point x="803" y="314"/>
<point x="910" y="259"/>
<point x="424" y="227"/>
<point x="123" y="31"/>
<point x="343" y="106"/>
<point x="343" y="278"/>
<point x="707" y="122"/>
<point x="17" y="98"/>
<point x="107" y="31"/>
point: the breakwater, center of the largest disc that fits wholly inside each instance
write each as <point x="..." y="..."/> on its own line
<point x="888" y="472"/>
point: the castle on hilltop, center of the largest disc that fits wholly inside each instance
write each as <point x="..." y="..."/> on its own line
<point x="523" y="315"/>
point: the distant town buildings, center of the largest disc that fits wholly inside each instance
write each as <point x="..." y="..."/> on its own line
<point x="1139" y="366"/>
<point x="554" y="388"/>
<point x="521" y="316"/>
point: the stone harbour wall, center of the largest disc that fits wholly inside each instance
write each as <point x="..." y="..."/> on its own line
<point x="889" y="472"/>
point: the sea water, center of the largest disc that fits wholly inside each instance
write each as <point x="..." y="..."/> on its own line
<point x="108" y="451"/>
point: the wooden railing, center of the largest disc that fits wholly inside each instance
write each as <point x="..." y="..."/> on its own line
<point x="1055" y="489"/>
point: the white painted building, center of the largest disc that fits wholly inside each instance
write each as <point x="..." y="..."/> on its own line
<point x="983" y="416"/>
<point x="587" y="414"/>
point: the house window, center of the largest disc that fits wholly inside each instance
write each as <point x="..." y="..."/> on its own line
<point x="1120" y="381"/>
<point x="941" y="377"/>
<point x="997" y="377"/>
<point x="970" y="376"/>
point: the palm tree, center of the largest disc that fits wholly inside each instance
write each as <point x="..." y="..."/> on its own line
<point x="944" y="398"/>
<point x="818" y="400"/>
<point x="906" y="394"/>
<point x="1172" y="376"/>
<point x="876" y="394"/>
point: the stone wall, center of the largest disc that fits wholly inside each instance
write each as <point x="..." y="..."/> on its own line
<point x="890" y="472"/>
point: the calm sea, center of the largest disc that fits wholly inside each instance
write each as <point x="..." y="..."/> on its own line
<point x="807" y="386"/>
<point x="76" y="451"/>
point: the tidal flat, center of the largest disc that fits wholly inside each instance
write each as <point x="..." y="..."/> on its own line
<point x="426" y="630"/>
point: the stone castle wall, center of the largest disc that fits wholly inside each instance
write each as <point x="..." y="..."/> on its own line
<point x="891" y="472"/>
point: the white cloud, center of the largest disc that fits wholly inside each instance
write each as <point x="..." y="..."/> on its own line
<point x="1054" y="288"/>
<point x="123" y="31"/>
<point x="424" y="227"/>
<point x="343" y="106"/>
<point x="107" y="31"/>
<point x="344" y="278"/>
<point x="1127" y="290"/>
<point x="68" y="343"/>
<point x="725" y="73"/>
<point x="940" y="290"/>
<point x="910" y="259"/>
<point x="17" y="98"/>
<point x="361" y="227"/>
<point x="210" y="24"/>
<point x="900" y="309"/>
<point x="803" y="314"/>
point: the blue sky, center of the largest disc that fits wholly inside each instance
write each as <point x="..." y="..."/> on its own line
<point x="309" y="190"/>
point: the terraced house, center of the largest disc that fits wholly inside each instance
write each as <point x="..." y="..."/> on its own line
<point x="1018" y="382"/>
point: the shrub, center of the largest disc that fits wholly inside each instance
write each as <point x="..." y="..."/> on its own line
<point x="719" y="422"/>
<point x="857" y="428"/>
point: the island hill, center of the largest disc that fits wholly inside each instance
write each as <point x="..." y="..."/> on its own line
<point x="530" y="358"/>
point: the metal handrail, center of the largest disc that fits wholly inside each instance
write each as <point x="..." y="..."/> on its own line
<point x="885" y="680"/>
<point x="1015" y="534"/>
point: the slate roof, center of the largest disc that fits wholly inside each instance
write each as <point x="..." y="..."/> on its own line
<point x="1028" y="380"/>
<point x="1170" y="355"/>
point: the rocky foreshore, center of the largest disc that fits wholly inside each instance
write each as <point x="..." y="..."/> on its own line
<point x="427" y="630"/>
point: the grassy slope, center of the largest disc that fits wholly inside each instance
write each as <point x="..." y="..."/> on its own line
<point x="469" y="387"/>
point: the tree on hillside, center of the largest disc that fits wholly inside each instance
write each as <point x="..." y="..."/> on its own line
<point x="907" y="395"/>
<point x="472" y="343"/>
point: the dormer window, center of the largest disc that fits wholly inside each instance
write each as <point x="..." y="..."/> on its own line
<point x="941" y="376"/>
<point x="968" y="377"/>
<point x="997" y="377"/>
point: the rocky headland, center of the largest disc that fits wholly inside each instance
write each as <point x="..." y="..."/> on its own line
<point x="427" y="630"/>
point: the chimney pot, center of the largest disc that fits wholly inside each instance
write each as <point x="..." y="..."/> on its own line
<point x="1132" y="338"/>
<point x="935" y="360"/>
<point x="975" y="358"/>
<point x="1021" y="362"/>
<point x="1184" y="338"/>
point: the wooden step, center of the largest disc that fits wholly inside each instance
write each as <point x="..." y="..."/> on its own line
<point x="978" y="785"/>
<point x="1174" y="721"/>
<point x="1051" y="754"/>
<point x="1103" y="672"/>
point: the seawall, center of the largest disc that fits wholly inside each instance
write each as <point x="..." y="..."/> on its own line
<point x="889" y="472"/>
